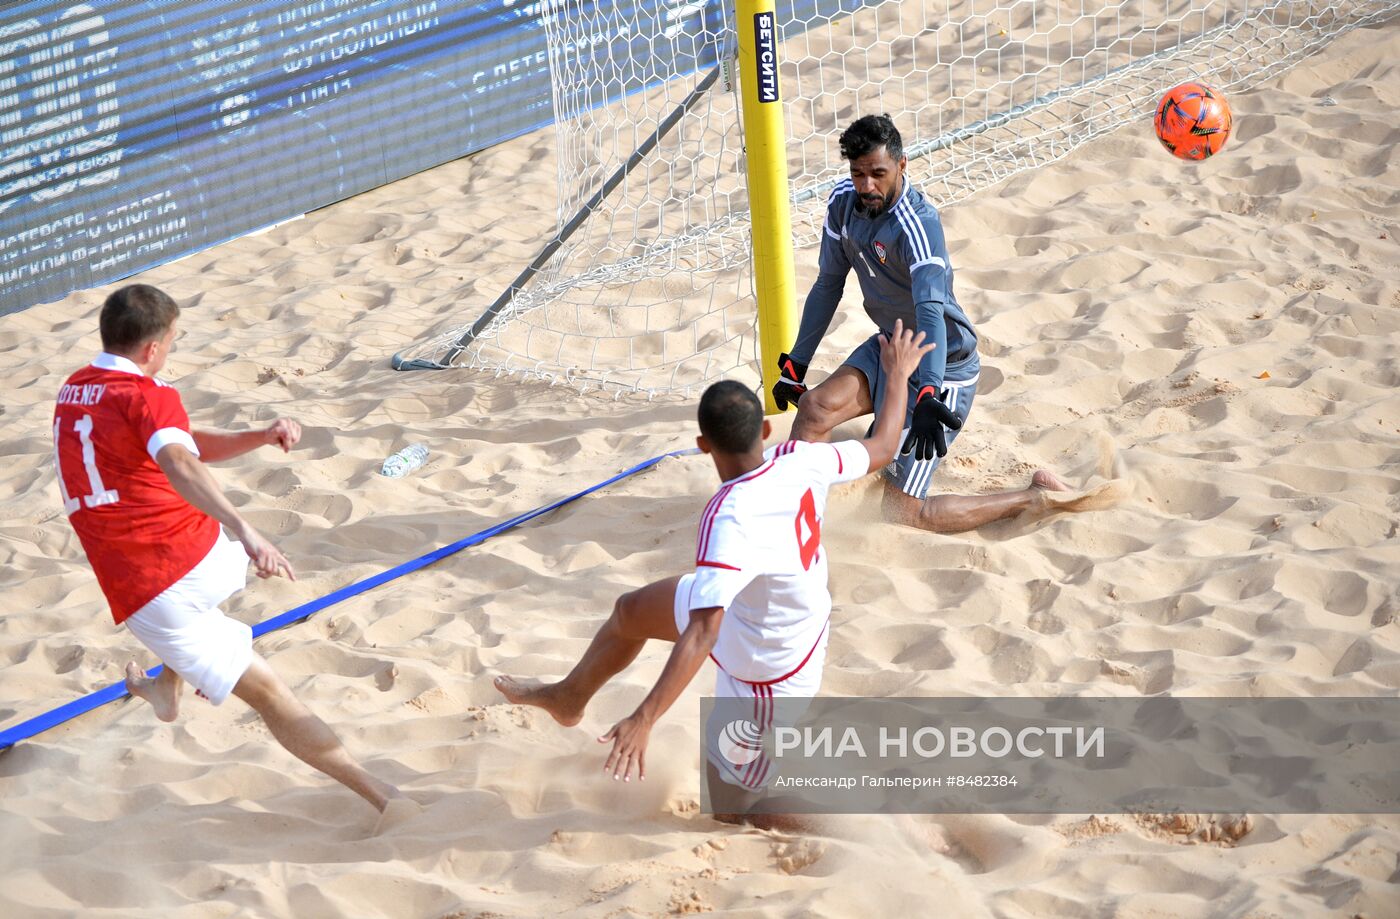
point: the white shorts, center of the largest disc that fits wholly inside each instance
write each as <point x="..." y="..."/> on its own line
<point x="798" y="687"/>
<point x="185" y="628"/>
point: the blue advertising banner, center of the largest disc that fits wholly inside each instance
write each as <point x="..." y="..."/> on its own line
<point x="136" y="131"/>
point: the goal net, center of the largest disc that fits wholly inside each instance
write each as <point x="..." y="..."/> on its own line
<point x="653" y="291"/>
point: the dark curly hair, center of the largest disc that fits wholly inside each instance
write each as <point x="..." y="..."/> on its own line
<point x="869" y="133"/>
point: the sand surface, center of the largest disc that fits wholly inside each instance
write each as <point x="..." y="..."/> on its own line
<point x="1226" y="332"/>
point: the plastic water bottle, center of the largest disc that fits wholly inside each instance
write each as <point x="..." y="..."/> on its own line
<point x="405" y="461"/>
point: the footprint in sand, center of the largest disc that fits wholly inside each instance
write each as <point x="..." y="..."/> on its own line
<point x="384" y="680"/>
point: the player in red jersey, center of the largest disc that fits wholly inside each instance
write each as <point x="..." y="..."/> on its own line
<point x="757" y="602"/>
<point x="148" y="515"/>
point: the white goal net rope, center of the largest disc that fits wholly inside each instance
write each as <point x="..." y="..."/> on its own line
<point x="654" y="292"/>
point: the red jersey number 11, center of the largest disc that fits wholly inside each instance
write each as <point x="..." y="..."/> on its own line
<point x="100" y="493"/>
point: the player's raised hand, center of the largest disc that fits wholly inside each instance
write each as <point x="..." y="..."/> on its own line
<point x="284" y="432"/>
<point x="267" y="561"/>
<point x="902" y="351"/>
<point x="629" y="737"/>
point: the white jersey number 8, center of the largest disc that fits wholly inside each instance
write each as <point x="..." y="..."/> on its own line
<point x="101" y="494"/>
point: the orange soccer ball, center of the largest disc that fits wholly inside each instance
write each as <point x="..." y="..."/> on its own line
<point x="1193" y="121"/>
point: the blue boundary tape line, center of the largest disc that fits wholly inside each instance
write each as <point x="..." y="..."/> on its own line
<point x="57" y="716"/>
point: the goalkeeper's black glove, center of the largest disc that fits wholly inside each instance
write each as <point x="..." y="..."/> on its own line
<point x="926" y="435"/>
<point x="789" y="387"/>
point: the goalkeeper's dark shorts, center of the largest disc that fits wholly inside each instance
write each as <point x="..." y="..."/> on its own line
<point x="960" y="388"/>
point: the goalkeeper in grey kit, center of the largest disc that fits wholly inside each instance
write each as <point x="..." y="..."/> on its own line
<point x="880" y="226"/>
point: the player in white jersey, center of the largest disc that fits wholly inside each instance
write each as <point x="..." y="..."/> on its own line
<point x="757" y="602"/>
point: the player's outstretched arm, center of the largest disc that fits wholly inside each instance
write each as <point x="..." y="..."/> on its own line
<point x="630" y="735"/>
<point x="188" y="476"/>
<point x="217" y="446"/>
<point x="900" y="355"/>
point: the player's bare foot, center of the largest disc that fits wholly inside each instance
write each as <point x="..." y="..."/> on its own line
<point x="1044" y="478"/>
<point x="1060" y="498"/>
<point x="162" y="692"/>
<point x="541" y="695"/>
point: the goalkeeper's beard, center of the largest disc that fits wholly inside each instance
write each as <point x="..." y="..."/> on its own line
<point x="881" y="205"/>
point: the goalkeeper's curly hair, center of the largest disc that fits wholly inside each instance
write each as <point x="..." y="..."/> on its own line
<point x="870" y="133"/>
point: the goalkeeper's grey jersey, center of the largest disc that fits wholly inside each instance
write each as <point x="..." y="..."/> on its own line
<point x="901" y="261"/>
